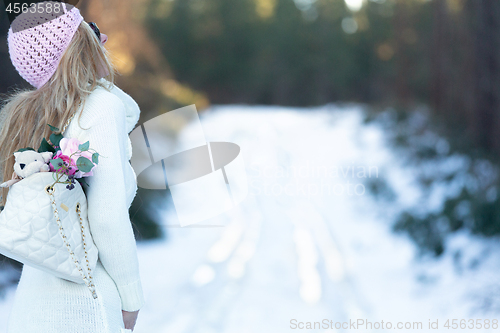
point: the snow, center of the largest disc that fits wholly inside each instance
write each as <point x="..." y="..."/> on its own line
<point x="310" y="243"/>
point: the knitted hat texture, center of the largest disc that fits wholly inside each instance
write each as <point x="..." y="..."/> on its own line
<point x="36" y="50"/>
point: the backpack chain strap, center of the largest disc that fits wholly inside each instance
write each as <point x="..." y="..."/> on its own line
<point x="89" y="282"/>
<point x="67" y="123"/>
<point x="79" y="211"/>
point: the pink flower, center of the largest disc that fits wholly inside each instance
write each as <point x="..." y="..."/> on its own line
<point x="71" y="164"/>
<point x="68" y="154"/>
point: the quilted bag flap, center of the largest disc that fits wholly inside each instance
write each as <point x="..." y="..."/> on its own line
<point x="31" y="234"/>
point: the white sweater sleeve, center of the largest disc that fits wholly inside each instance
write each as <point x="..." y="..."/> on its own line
<point x="108" y="213"/>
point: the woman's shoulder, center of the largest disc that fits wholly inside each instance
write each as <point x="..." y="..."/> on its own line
<point x="102" y="105"/>
<point x="119" y="104"/>
<point x="127" y="100"/>
<point x="105" y="98"/>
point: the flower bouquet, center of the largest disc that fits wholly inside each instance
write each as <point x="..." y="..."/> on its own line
<point x="72" y="158"/>
<point x="67" y="158"/>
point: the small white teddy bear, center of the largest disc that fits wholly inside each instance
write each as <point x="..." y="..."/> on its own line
<point x="28" y="162"/>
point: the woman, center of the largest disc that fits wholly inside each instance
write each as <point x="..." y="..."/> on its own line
<point x="67" y="68"/>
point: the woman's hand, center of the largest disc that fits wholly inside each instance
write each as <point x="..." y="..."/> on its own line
<point x="129" y="319"/>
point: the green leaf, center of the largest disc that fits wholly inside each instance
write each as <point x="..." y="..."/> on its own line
<point x="53" y="129"/>
<point x="82" y="181"/>
<point x="25" y="149"/>
<point x="55" y="139"/>
<point x="84" y="146"/>
<point x="84" y="164"/>
<point x="95" y="158"/>
<point x="45" y="146"/>
<point x="55" y="163"/>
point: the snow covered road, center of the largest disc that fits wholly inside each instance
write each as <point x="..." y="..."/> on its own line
<point x="309" y="243"/>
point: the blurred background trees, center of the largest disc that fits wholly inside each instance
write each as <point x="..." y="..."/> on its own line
<point x="170" y="53"/>
<point x="443" y="53"/>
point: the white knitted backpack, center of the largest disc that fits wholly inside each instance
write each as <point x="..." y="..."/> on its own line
<point x="45" y="226"/>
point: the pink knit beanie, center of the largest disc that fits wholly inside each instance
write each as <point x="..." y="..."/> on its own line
<point x="36" y="50"/>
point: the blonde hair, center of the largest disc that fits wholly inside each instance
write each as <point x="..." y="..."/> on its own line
<point x="28" y="112"/>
